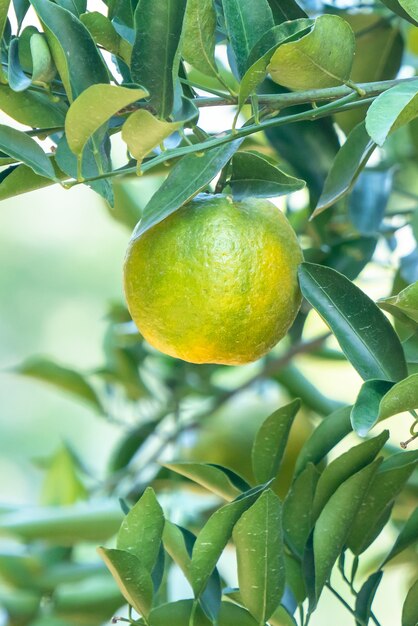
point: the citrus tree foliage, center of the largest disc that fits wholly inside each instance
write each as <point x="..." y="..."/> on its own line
<point x="315" y="95"/>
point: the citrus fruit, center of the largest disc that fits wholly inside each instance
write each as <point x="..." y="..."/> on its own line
<point x="216" y="281"/>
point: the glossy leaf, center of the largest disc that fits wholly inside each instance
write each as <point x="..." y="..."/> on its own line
<point x="297" y="509"/>
<point x="143" y="132"/>
<point x="158" y="29"/>
<point x="252" y="175"/>
<point x="333" y="525"/>
<point x="410" y="607"/>
<point x="178" y="614"/>
<point x="401" y="397"/>
<point x="408" y="536"/>
<point x="270" y="442"/>
<point x="32" y="108"/>
<point x="71" y="44"/>
<point x="322" y="58"/>
<point x="391" y="110"/>
<point x="344" y="466"/>
<point x="406" y="301"/>
<point x="365" y="598"/>
<point x="214" y="536"/>
<point x="365" y="411"/>
<point x="363" y="332"/>
<point x="63" y="525"/>
<point x="61" y="377"/>
<point x="221" y="481"/>
<point x="349" y="162"/>
<point x="325" y="436"/>
<point x="262" y="52"/>
<point x="246" y="22"/>
<point x="384" y="487"/>
<point x="93" y="108"/>
<point x="284" y="10"/>
<point x="105" y="34"/>
<point x="142" y="529"/>
<point x="259" y="543"/>
<point x="132" y="578"/>
<point x="198" y="47"/>
<point x="20" y="179"/>
<point x="18" y="80"/>
<point x="23" y="148"/>
<point x="189" y="176"/>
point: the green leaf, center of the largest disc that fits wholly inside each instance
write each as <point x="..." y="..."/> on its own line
<point x="384" y="487"/>
<point x="333" y="525"/>
<point x="179" y="614"/>
<point x="153" y="63"/>
<point x="401" y="397"/>
<point x="32" y="108"/>
<point x="132" y="578"/>
<point x="253" y="175"/>
<point x="198" y="47"/>
<point x="246" y="22"/>
<point x="365" y="598"/>
<point x="93" y="108"/>
<point x="344" y="466"/>
<point x="71" y="44"/>
<point x="263" y="51"/>
<point x="297" y="509"/>
<point x="365" y="412"/>
<point x="259" y="543"/>
<point x="143" y="132"/>
<point x="20" y="179"/>
<point x="4" y="9"/>
<point x="224" y="482"/>
<point x="410" y="607"/>
<point x="391" y="110"/>
<point x="18" y="80"/>
<point x="322" y="58"/>
<point x="325" y="436"/>
<point x="408" y="536"/>
<point x="270" y="442"/>
<point x="104" y="34"/>
<point x="142" y="529"/>
<point x="396" y="7"/>
<point x="64" y="525"/>
<point x="62" y="378"/>
<point x="62" y="485"/>
<point x="362" y="330"/>
<point x="349" y="162"/>
<point x="189" y="176"/>
<point x="214" y="536"/>
<point x="175" y="543"/>
<point x="23" y="148"/>
<point x="406" y="301"/>
<point x="284" y="10"/>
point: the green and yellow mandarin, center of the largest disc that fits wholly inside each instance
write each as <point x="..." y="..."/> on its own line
<point x="216" y="281"/>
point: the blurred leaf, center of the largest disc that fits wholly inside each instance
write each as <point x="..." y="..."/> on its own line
<point x="363" y="332"/>
<point x="344" y="466"/>
<point x="96" y="598"/>
<point x="365" y="598"/>
<point x="270" y="442"/>
<point x="262" y="52"/>
<point x="349" y="162"/>
<point x="32" y="108"/>
<point x="198" y="47"/>
<point x="259" y="543"/>
<point x="158" y="29"/>
<point x="350" y="256"/>
<point x="132" y="578"/>
<point x="222" y="481"/>
<point x="214" y="536"/>
<point x="4" y="9"/>
<point x="365" y="411"/>
<point x="246" y="22"/>
<point x="410" y="607"/>
<point x="125" y="450"/>
<point x="325" y="436"/>
<point x="23" y="148"/>
<point x="189" y="176"/>
<point x="297" y="509"/>
<point x="20" y="179"/>
<point x="408" y="536"/>
<point x="338" y="515"/>
<point x="62" y="485"/>
<point x="391" y="110"/>
<point x="322" y="58"/>
<point x="71" y="44"/>
<point x="401" y="397"/>
<point x="143" y="132"/>
<point x="285" y="10"/>
<point x="384" y="487"/>
<point x="93" y="108"/>
<point x="252" y="175"/>
<point x="406" y="301"/>
<point x="61" y="377"/>
<point x="20" y="605"/>
<point x="64" y="525"/>
<point x="396" y="7"/>
<point x="142" y="529"/>
<point x="368" y="200"/>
